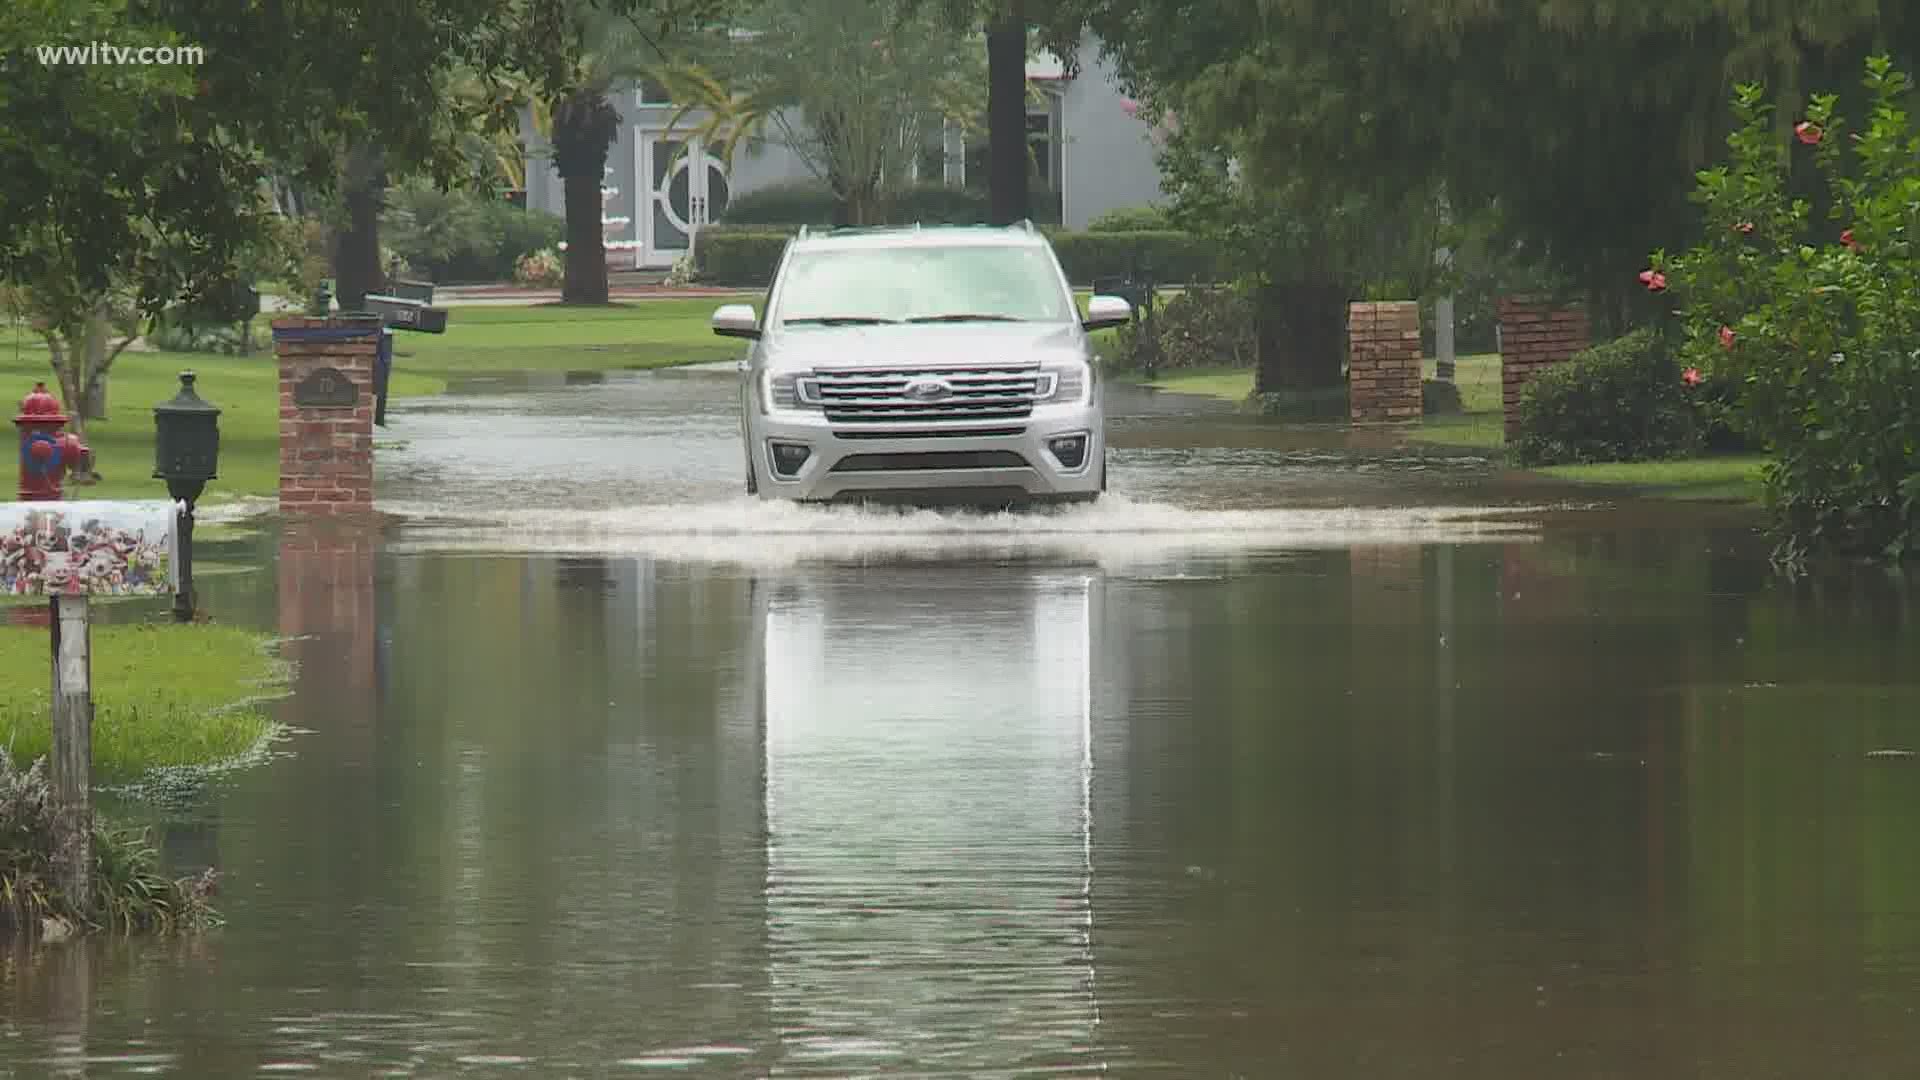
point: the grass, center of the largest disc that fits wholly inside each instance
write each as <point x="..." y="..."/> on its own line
<point x="1230" y="384"/>
<point x="479" y="340"/>
<point x="165" y="695"/>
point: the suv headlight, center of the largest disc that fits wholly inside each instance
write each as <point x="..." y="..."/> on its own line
<point x="1064" y="383"/>
<point x="787" y="391"/>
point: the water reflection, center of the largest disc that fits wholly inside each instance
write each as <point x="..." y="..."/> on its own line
<point x="928" y="855"/>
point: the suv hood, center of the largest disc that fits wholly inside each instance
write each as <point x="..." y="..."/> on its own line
<point x="923" y="344"/>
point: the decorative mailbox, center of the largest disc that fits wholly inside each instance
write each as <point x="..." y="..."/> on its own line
<point x="89" y="548"/>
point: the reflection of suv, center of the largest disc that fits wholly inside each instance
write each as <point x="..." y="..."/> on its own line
<point x="917" y="362"/>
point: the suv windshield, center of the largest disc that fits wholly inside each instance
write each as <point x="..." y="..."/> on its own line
<point x="988" y="283"/>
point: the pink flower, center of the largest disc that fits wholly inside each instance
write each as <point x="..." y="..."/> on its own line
<point x="1654" y="280"/>
<point x="1808" y="132"/>
<point x="1726" y="337"/>
<point x="1846" y="239"/>
<point x="1130" y="106"/>
<point x="1691" y="376"/>
<point x="1745" y="228"/>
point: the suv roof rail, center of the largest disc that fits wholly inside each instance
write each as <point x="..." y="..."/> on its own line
<point x="803" y="233"/>
<point x="1025" y="225"/>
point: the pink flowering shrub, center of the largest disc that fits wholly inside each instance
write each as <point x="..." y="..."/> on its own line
<point x="1817" y="323"/>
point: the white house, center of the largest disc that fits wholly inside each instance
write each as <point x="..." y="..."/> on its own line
<point x="1087" y="142"/>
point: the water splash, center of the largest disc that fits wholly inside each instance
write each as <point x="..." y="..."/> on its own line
<point x="1115" y="530"/>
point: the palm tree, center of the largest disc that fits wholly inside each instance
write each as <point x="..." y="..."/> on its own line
<point x="582" y="124"/>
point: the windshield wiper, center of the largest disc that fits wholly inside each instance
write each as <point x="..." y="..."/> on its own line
<point x="963" y="316"/>
<point x="835" y="320"/>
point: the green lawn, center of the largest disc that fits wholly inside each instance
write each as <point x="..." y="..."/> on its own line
<point x="1232" y="384"/>
<point x="483" y="340"/>
<point x="164" y="695"/>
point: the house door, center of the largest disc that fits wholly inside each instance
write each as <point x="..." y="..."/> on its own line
<point x="686" y="187"/>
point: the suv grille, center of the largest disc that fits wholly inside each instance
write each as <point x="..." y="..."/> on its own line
<point x="975" y="393"/>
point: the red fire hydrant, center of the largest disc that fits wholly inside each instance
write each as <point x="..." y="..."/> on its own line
<point x="47" y="454"/>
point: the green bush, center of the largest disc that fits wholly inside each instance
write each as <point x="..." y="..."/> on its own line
<point x="1170" y="258"/>
<point x="810" y="202"/>
<point x="1132" y="219"/>
<point x="1189" y="329"/>
<point x="743" y="255"/>
<point x="462" y="236"/>
<point x="1816" y="324"/>
<point x="801" y="202"/>
<point x="1621" y="401"/>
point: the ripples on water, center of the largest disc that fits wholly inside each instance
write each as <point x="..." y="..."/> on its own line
<point x="1115" y="530"/>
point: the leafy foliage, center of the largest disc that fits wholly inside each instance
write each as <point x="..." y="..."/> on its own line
<point x="1624" y="400"/>
<point x="129" y="892"/>
<point x="539" y="269"/>
<point x="1818" y="321"/>
<point x="811" y="202"/>
<point x="464" y="236"/>
<point x="1132" y="219"/>
<point x="1193" y="328"/>
<point x="854" y="87"/>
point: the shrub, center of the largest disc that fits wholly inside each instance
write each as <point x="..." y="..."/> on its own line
<point x="800" y="202"/>
<point x="744" y="255"/>
<point x="1132" y="219"/>
<point x="1817" y="327"/>
<point x="1621" y="401"/>
<point x="810" y="202"/>
<point x="454" y="236"/>
<point x="540" y="270"/>
<point x="128" y="891"/>
<point x="1170" y="258"/>
<point x="1188" y="329"/>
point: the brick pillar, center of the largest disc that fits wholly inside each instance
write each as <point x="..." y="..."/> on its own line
<point x="1533" y="334"/>
<point x="326" y="413"/>
<point x="1383" y="365"/>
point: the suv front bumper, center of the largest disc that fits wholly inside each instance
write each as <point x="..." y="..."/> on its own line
<point x="991" y="459"/>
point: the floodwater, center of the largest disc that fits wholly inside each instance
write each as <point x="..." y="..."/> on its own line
<point x="1304" y="755"/>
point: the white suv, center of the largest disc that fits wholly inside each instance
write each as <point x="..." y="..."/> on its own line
<point x="922" y="363"/>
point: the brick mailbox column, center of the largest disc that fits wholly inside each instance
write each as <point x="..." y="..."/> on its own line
<point x="326" y="413"/>
<point x="1383" y="363"/>
<point x="1533" y="335"/>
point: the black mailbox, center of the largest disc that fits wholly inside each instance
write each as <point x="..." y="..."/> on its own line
<point x="382" y="372"/>
<point x="400" y="313"/>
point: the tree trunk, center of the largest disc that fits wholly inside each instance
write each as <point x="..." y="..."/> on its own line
<point x="356" y="254"/>
<point x="1300" y="336"/>
<point x="92" y="404"/>
<point x="584" y="128"/>
<point x="1007" y="116"/>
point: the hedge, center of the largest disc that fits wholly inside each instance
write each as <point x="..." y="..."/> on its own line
<point x="746" y="255"/>
<point x="812" y="203"/>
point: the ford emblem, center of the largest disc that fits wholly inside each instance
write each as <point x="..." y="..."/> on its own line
<point x="928" y="389"/>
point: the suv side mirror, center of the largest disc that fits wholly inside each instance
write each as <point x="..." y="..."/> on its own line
<point x="736" y="320"/>
<point x="1105" y="311"/>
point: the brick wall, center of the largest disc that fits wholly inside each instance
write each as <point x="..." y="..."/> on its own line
<point x="1534" y="334"/>
<point x="1383" y="372"/>
<point x="326" y="452"/>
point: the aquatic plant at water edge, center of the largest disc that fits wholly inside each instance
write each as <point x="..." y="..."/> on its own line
<point x="129" y="892"/>
<point x="1818" y="323"/>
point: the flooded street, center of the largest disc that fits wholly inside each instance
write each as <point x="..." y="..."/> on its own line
<point x="1304" y="754"/>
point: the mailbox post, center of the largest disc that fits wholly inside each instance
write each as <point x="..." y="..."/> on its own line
<point x="186" y="453"/>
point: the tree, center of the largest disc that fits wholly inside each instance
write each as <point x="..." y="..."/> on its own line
<point x="852" y="86"/>
<point x="1576" y="126"/>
